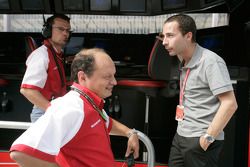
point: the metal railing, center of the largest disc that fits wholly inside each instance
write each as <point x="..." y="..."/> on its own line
<point x="146" y="141"/>
<point x="150" y="148"/>
<point x="14" y="125"/>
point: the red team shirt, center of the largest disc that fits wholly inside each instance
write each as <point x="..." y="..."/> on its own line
<point x="70" y="133"/>
<point x="42" y="73"/>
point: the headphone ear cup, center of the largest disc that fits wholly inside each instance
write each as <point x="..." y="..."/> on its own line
<point x="46" y="31"/>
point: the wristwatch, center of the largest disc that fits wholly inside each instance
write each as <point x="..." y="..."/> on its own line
<point x="209" y="138"/>
<point x="132" y="132"/>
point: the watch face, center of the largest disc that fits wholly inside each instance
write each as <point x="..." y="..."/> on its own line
<point x="209" y="138"/>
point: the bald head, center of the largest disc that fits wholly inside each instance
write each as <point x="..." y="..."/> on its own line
<point x="95" y="70"/>
<point x="87" y="60"/>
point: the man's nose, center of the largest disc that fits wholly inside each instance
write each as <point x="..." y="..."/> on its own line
<point x="114" y="82"/>
<point x="164" y="41"/>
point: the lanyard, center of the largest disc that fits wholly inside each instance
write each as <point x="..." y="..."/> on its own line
<point x="57" y="64"/>
<point x="183" y="85"/>
<point x="91" y="102"/>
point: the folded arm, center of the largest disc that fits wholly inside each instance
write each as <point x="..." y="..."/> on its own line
<point x="35" y="97"/>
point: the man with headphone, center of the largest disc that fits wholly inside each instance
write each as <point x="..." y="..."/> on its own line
<point x="44" y="78"/>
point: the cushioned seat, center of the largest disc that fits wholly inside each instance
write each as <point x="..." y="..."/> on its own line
<point x="30" y="45"/>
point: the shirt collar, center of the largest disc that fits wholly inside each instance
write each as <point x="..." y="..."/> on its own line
<point x="97" y="100"/>
<point x="195" y="57"/>
<point x="47" y="43"/>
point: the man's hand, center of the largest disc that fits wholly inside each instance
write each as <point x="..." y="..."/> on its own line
<point x="133" y="145"/>
<point x="204" y="143"/>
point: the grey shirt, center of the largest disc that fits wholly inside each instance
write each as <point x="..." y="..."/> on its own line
<point x="208" y="78"/>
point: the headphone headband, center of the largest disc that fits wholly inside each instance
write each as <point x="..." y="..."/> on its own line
<point x="47" y="26"/>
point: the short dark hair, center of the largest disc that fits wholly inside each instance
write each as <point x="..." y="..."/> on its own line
<point x="84" y="61"/>
<point x="51" y="19"/>
<point x="186" y="24"/>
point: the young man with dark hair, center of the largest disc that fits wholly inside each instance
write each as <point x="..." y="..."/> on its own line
<point x="207" y="100"/>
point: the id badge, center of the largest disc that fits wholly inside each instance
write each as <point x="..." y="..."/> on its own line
<point x="179" y="113"/>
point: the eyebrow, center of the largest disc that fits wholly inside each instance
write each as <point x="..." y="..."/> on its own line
<point x="160" y="36"/>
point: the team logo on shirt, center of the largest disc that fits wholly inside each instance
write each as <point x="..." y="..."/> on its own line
<point x="94" y="124"/>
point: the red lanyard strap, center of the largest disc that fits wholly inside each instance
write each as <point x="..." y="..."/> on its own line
<point x="182" y="86"/>
<point x="57" y="64"/>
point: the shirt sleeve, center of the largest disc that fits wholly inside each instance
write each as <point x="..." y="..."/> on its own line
<point x="36" y="72"/>
<point x="53" y="130"/>
<point x="218" y="78"/>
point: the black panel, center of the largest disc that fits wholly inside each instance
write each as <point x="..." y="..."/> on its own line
<point x="100" y="5"/>
<point x="32" y="5"/>
<point x="173" y="4"/>
<point x="69" y="6"/>
<point x="233" y="4"/>
<point x="126" y="49"/>
<point x="25" y="6"/>
<point x="75" y="5"/>
<point x="210" y="1"/>
<point x="116" y="7"/>
<point x="4" y="5"/>
<point x="133" y="5"/>
<point x="73" y="46"/>
<point x="217" y="39"/>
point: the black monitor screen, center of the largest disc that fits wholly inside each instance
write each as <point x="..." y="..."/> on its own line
<point x="132" y="5"/>
<point x="173" y="4"/>
<point x="73" y="5"/>
<point x="32" y="4"/>
<point x="213" y="42"/>
<point x="127" y="48"/>
<point x="215" y="39"/>
<point x="210" y="1"/>
<point x="74" y="46"/>
<point x="100" y="5"/>
<point x="4" y="4"/>
<point x="102" y="43"/>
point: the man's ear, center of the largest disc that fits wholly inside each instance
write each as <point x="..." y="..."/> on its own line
<point x="189" y="35"/>
<point x="81" y="76"/>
